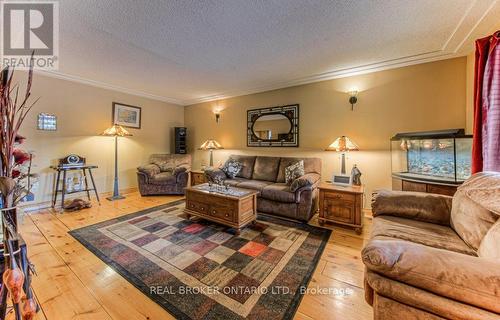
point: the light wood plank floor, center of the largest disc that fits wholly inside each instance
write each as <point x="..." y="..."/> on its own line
<point x="72" y="283"/>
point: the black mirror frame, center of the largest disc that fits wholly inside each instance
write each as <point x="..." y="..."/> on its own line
<point x="291" y="112"/>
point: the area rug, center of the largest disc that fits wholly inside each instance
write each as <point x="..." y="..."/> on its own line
<point x="196" y="269"/>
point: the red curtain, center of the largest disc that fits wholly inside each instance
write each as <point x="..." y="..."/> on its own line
<point x="484" y="47"/>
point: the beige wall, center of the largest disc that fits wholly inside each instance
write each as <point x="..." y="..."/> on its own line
<point x="415" y="98"/>
<point x="469" y="92"/>
<point x="83" y="112"/>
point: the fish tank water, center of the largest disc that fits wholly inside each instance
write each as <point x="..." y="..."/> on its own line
<point x="440" y="156"/>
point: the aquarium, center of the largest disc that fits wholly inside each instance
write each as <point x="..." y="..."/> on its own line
<point x="441" y="156"/>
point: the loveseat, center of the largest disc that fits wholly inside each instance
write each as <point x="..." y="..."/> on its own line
<point x="436" y="257"/>
<point x="267" y="175"/>
<point x="164" y="174"/>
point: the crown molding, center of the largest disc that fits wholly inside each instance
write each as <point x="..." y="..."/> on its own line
<point x="470" y="20"/>
<point x="452" y="47"/>
<point x="336" y="74"/>
<point x="103" y="85"/>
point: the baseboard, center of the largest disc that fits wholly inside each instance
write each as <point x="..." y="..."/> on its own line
<point x="30" y="207"/>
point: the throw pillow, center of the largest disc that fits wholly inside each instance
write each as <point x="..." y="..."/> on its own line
<point x="294" y="171"/>
<point x="231" y="168"/>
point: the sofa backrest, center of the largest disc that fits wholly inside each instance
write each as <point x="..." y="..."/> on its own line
<point x="174" y="159"/>
<point x="272" y="168"/>
<point x="248" y="163"/>
<point x="266" y="168"/>
<point x="311" y="165"/>
<point x="476" y="208"/>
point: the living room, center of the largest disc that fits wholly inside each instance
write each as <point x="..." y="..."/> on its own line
<point x="148" y="178"/>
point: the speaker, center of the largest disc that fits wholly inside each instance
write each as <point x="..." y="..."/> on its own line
<point x="180" y="140"/>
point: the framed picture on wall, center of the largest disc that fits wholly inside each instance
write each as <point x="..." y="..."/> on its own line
<point x="126" y="115"/>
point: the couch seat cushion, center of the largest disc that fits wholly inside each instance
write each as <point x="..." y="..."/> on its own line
<point x="163" y="178"/>
<point x="278" y="192"/>
<point x="234" y="181"/>
<point x="254" y="184"/>
<point x="266" y="168"/>
<point x="428" y="234"/>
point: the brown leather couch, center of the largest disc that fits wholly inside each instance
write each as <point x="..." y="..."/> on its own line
<point x="436" y="257"/>
<point x="164" y="174"/>
<point x="267" y="175"/>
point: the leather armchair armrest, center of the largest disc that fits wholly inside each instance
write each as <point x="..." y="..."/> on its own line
<point x="420" y="206"/>
<point x="150" y="170"/>
<point x="213" y="174"/>
<point x="305" y="182"/>
<point x="469" y="279"/>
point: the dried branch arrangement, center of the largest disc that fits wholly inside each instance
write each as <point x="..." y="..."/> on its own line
<point x="15" y="183"/>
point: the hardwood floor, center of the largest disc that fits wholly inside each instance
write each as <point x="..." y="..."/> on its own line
<point x="72" y="283"/>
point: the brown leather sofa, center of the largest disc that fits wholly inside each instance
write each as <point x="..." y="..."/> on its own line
<point x="164" y="174"/>
<point x="267" y="175"/>
<point x="436" y="257"/>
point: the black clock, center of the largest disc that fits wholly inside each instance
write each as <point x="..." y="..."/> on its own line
<point x="72" y="160"/>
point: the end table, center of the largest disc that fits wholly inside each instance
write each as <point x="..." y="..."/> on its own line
<point x="341" y="205"/>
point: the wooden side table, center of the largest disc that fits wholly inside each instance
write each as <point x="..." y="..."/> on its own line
<point x="341" y="205"/>
<point x="64" y="192"/>
<point x="197" y="177"/>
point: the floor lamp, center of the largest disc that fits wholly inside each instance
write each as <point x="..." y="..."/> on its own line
<point x="116" y="131"/>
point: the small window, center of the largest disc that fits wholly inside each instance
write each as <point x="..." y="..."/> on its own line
<point x="47" y="122"/>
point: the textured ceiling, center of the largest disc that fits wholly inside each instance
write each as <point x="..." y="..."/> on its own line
<point x="190" y="51"/>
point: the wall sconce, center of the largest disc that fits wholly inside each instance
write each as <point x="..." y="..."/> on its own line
<point x="217" y="116"/>
<point x="353" y="98"/>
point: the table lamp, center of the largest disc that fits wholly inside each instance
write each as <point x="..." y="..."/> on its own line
<point x="343" y="144"/>
<point x="116" y="131"/>
<point x="211" y="145"/>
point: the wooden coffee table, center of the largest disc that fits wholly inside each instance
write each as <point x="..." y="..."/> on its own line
<point x="235" y="208"/>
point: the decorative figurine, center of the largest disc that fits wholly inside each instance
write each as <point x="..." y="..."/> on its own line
<point x="356" y="176"/>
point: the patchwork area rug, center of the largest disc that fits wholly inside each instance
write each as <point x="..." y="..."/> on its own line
<point x="196" y="269"/>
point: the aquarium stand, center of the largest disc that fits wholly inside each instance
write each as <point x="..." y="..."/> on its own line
<point x="402" y="183"/>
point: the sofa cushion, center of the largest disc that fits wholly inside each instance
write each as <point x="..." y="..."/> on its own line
<point x="170" y="161"/>
<point x="150" y="170"/>
<point x="426" y="207"/>
<point x="429" y="234"/>
<point x="234" y="182"/>
<point x="420" y="299"/>
<point x="266" y="168"/>
<point x="469" y="218"/>
<point x="248" y="164"/>
<point x="254" y="184"/>
<point x="165" y="166"/>
<point x="311" y="165"/>
<point x="457" y="276"/>
<point x="163" y="178"/>
<point x="490" y="245"/>
<point x="278" y="192"/>
<point x="294" y="171"/>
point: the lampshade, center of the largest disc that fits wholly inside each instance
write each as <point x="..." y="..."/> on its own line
<point x="210" y="145"/>
<point x="116" y="130"/>
<point x="343" y="144"/>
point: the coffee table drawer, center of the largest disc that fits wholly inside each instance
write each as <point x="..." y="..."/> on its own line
<point x="222" y="212"/>
<point x="197" y="206"/>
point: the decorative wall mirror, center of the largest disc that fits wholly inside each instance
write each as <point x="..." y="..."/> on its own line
<point x="273" y="127"/>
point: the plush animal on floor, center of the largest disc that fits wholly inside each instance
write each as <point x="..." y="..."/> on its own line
<point x="77" y="204"/>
